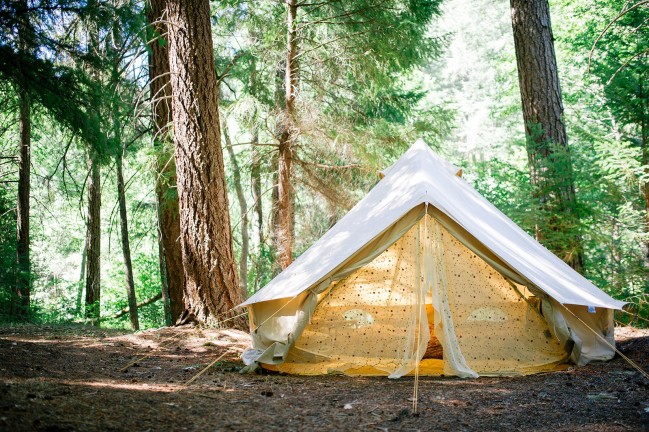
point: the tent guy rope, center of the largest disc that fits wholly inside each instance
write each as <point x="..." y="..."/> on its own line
<point x="160" y="345"/>
<point x="621" y="354"/>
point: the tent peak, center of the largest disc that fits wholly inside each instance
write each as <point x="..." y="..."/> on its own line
<point x="422" y="156"/>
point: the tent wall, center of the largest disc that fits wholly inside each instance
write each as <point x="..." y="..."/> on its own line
<point x="498" y="331"/>
<point x="276" y="324"/>
<point x="587" y="335"/>
<point x="366" y="316"/>
<point x="370" y="319"/>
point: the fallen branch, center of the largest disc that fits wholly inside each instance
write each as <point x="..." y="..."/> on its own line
<point x="124" y="311"/>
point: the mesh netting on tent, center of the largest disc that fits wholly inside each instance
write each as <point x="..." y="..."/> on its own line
<point x="426" y="302"/>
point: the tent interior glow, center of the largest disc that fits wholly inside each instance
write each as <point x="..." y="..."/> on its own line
<point x="425" y="272"/>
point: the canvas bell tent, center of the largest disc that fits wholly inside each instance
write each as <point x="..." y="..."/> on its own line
<point x="425" y="273"/>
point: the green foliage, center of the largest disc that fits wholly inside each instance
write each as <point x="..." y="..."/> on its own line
<point x="7" y="253"/>
<point x="147" y="280"/>
<point x="356" y="110"/>
<point x="374" y="77"/>
<point x="479" y="76"/>
<point x="8" y="197"/>
<point x="609" y="109"/>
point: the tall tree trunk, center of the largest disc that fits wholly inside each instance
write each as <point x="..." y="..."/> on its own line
<point x="93" y="222"/>
<point x="255" y="168"/>
<point x="23" y="263"/>
<point x="82" y="278"/>
<point x="255" y="186"/>
<point x="166" y="300"/>
<point x="23" y="276"/>
<point x="258" y="226"/>
<point x="113" y="52"/>
<point x="287" y="138"/>
<point x="171" y="267"/>
<point x="274" y="217"/>
<point x="280" y="103"/>
<point x="126" y="248"/>
<point x="243" y="207"/>
<point x="644" y="130"/>
<point x="93" y="240"/>
<point x="211" y="286"/>
<point x="547" y="145"/>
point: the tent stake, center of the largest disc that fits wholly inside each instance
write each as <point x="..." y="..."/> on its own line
<point x="191" y="380"/>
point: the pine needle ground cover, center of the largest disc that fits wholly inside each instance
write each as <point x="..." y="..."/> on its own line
<point x="69" y="378"/>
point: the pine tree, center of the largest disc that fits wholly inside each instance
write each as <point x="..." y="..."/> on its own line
<point x="211" y="286"/>
<point x="547" y="144"/>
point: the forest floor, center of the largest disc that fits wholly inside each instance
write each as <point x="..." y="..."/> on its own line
<point x="72" y="378"/>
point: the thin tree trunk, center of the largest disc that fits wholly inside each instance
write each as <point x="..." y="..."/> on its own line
<point x="255" y="168"/>
<point x="547" y="145"/>
<point x="121" y="187"/>
<point x="126" y="248"/>
<point x="280" y="104"/>
<point x="243" y="207"/>
<point x="211" y="286"/>
<point x="82" y="278"/>
<point x="93" y="222"/>
<point x="274" y="217"/>
<point x="644" y="130"/>
<point x="171" y="268"/>
<point x="255" y="185"/>
<point x="258" y="227"/>
<point x="93" y="240"/>
<point x="23" y="279"/>
<point x="287" y="138"/>
<point x="23" y="276"/>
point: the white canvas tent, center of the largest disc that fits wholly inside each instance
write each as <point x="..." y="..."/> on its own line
<point x="425" y="273"/>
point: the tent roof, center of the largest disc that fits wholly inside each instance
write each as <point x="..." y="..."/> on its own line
<point x="419" y="177"/>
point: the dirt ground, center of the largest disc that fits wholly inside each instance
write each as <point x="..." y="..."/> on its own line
<point x="75" y="378"/>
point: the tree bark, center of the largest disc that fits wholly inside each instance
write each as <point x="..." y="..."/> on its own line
<point x="126" y="248"/>
<point x="287" y="139"/>
<point x="276" y="268"/>
<point x="113" y="53"/>
<point x="255" y="168"/>
<point x="82" y="278"/>
<point x="644" y="130"/>
<point x="280" y="104"/>
<point x="23" y="276"/>
<point x="211" y="286"/>
<point x="93" y="221"/>
<point x="255" y="185"/>
<point x="93" y="239"/>
<point x="166" y="300"/>
<point x="171" y="267"/>
<point x="243" y="207"/>
<point x="547" y="145"/>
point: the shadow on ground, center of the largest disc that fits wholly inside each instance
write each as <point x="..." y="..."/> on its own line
<point x="74" y="379"/>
